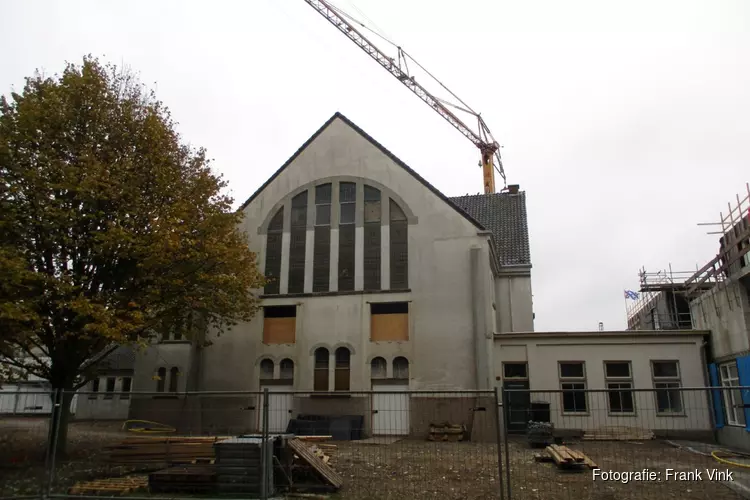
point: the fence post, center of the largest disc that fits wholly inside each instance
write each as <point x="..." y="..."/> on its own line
<point x="506" y="412"/>
<point x="499" y="441"/>
<point x="54" y="429"/>
<point x="264" y="458"/>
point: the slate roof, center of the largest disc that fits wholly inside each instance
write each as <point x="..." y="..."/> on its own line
<point x="122" y="358"/>
<point x="504" y="215"/>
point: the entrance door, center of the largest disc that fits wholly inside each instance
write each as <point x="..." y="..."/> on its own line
<point x="517" y="404"/>
<point x="280" y="407"/>
<point x="390" y="410"/>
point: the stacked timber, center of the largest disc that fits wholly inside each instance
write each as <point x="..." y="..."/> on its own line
<point x="618" y="433"/>
<point x="183" y="479"/>
<point x="314" y="459"/>
<point x="566" y="458"/>
<point x="114" y="486"/>
<point x="447" y="432"/>
<point x="172" y="450"/>
<point x="239" y="465"/>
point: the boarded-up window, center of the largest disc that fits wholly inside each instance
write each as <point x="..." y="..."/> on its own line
<point x="320" y="377"/>
<point x="400" y="367"/>
<point x="399" y="229"/>
<point x="389" y="321"/>
<point x="372" y="239"/>
<point x="297" y="238"/>
<point x="174" y="375"/>
<point x="378" y="368"/>
<point x="347" y="204"/>
<point x="266" y="369"/>
<point x="322" y="242"/>
<point x="286" y="369"/>
<point x="161" y="379"/>
<point x="273" y="252"/>
<point x="341" y="379"/>
<point x="279" y="324"/>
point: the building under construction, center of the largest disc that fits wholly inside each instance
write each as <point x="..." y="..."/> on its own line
<point x="715" y="298"/>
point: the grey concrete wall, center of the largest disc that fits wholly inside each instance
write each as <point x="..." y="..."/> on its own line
<point x="102" y="406"/>
<point x="168" y="355"/>
<point x="733" y="436"/>
<point x="725" y="310"/>
<point x="513" y="303"/>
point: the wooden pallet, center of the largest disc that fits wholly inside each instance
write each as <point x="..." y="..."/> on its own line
<point x="110" y="487"/>
<point x="322" y="468"/>
<point x="566" y="458"/>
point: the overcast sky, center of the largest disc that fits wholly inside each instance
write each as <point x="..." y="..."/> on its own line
<point x="626" y="123"/>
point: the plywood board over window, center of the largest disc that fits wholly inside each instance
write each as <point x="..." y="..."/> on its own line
<point x="389" y="321"/>
<point x="279" y="324"/>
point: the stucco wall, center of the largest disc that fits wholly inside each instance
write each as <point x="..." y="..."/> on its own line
<point x="514" y="305"/>
<point x="725" y="310"/>
<point x="542" y="353"/>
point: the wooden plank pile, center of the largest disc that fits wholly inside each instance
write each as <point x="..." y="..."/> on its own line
<point x="185" y="479"/>
<point x="566" y="458"/>
<point x="171" y="450"/>
<point x="618" y="433"/>
<point x="239" y="465"/>
<point x="324" y="471"/>
<point x="113" y="486"/>
<point x="447" y="432"/>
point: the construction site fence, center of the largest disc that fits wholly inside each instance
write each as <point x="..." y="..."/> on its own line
<point x="510" y="442"/>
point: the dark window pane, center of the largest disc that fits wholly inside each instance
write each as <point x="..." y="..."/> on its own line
<point x="372" y="257"/>
<point x="515" y="370"/>
<point x="174" y="373"/>
<point x="127" y="383"/>
<point x="400" y="367"/>
<point x="280" y="312"/>
<point x="618" y="369"/>
<point x="620" y="398"/>
<point x="286" y="369"/>
<point x="389" y="308"/>
<point x="574" y="397"/>
<point x="668" y="398"/>
<point x="299" y="210"/>
<point x="571" y="370"/>
<point x="277" y="222"/>
<point x="665" y="369"/>
<point x="347" y="192"/>
<point x="347" y="213"/>
<point x="378" y="368"/>
<point x="341" y="379"/>
<point x="95" y="385"/>
<point x="273" y="262"/>
<point x="372" y="194"/>
<point x="346" y="257"/>
<point x="320" y="379"/>
<point x="323" y="194"/>
<point x="297" y="260"/>
<point x="396" y="213"/>
<point x="322" y="259"/>
<point x="110" y="384"/>
<point x="266" y="369"/>
<point x="399" y="255"/>
<point x="323" y="215"/>
<point x="162" y="380"/>
<point x="321" y="357"/>
<point x="342" y="357"/>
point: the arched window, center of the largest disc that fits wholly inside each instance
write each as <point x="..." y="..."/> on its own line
<point x="266" y="369"/>
<point x="322" y="239"/>
<point x="399" y="231"/>
<point x="297" y="239"/>
<point x="372" y="219"/>
<point x="320" y="376"/>
<point x="347" y="219"/>
<point x="273" y="252"/>
<point x="378" y="368"/>
<point x="161" y="379"/>
<point x="400" y="367"/>
<point x="286" y="369"/>
<point x="341" y="378"/>
<point x="174" y="374"/>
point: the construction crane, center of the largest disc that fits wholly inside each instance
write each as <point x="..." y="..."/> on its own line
<point x="482" y="138"/>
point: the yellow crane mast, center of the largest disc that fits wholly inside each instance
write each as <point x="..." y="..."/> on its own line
<point x="482" y="138"/>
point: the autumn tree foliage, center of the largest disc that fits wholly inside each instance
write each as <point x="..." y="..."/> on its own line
<point x="111" y="227"/>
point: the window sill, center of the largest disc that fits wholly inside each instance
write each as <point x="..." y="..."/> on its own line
<point x="333" y="294"/>
<point x="669" y="415"/>
<point x="329" y="395"/>
<point x="576" y="414"/>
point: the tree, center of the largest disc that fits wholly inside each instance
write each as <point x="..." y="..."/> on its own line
<point x="111" y="228"/>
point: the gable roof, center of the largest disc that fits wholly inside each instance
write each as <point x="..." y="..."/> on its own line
<point x="379" y="147"/>
<point x="504" y="215"/>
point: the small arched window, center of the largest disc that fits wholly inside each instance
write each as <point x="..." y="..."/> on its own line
<point x="266" y="369"/>
<point x="341" y="379"/>
<point x="174" y="374"/>
<point x="286" y="369"/>
<point x="400" y="367"/>
<point x="320" y="376"/>
<point x="378" y="368"/>
<point x="161" y="379"/>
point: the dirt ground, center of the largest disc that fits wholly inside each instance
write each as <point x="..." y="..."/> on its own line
<point x="405" y="469"/>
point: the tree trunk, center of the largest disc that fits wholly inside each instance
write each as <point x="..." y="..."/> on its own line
<point x="62" y="398"/>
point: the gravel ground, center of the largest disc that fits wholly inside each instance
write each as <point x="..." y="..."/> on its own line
<point x="406" y="469"/>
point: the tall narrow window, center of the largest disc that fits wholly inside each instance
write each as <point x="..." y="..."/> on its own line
<point x="286" y="370"/>
<point x="378" y="368"/>
<point x="372" y="239"/>
<point x="320" y="377"/>
<point x="322" y="246"/>
<point x="347" y="209"/>
<point x="341" y="379"/>
<point x="110" y="388"/>
<point x="161" y="379"/>
<point x="619" y="381"/>
<point x="273" y="252"/>
<point x="266" y="369"/>
<point x="298" y="236"/>
<point x="573" y="385"/>
<point x="399" y="248"/>
<point x="666" y="377"/>
<point x="127" y="384"/>
<point x="94" y="388"/>
<point x="731" y="396"/>
<point x="400" y="368"/>
<point x="174" y="375"/>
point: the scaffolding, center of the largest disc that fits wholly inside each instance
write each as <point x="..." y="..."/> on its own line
<point x="667" y="286"/>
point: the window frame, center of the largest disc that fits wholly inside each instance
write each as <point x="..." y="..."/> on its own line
<point x="110" y="384"/>
<point x="125" y="392"/>
<point x="619" y="381"/>
<point x="320" y="369"/>
<point x="675" y="380"/>
<point x="408" y="368"/>
<point x="384" y="375"/>
<point x="508" y="363"/>
<point x="571" y="380"/>
<point x="729" y="394"/>
<point x="95" y="384"/>
<point x="342" y="368"/>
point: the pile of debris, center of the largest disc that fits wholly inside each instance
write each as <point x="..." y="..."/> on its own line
<point x="540" y="434"/>
<point x="447" y="432"/>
